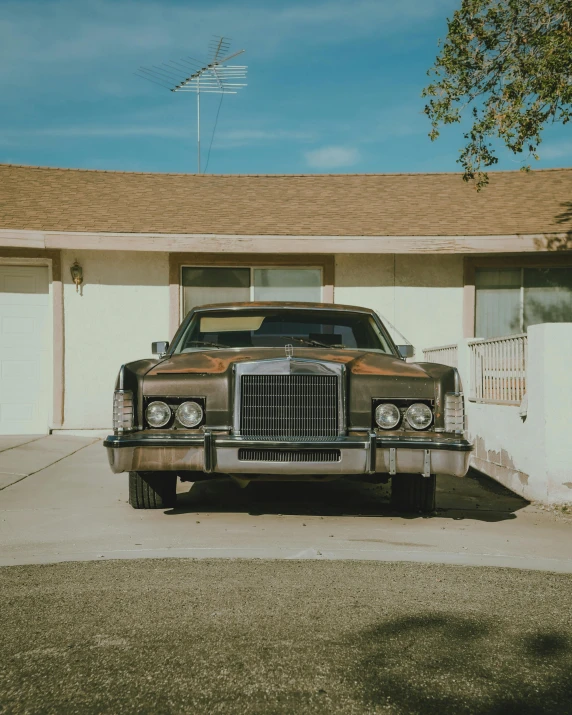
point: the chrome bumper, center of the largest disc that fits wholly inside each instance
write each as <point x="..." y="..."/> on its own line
<point x="358" y="454"/>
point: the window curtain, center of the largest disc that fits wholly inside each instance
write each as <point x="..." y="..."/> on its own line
<point x="509" y="300"/>
<point x="497" y="302"/>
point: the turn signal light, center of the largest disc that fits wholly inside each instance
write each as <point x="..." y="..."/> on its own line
<point x="454" y="412"/>
<point x="122" y="411"/>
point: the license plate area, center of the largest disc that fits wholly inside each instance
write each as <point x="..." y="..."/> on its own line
<point x="319" y="456"/>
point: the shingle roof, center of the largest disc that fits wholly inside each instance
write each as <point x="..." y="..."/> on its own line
<point x="40" y="198"/>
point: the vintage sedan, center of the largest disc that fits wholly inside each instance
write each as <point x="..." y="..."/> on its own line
<point x="286" y="391"/>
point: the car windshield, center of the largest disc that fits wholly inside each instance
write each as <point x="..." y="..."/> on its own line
<point x="275" y="328"/>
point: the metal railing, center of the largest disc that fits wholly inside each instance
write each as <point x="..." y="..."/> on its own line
<point x="444" y="354"/>
<point x="498" y="369"/>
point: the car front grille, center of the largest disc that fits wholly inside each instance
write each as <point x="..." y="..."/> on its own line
<point x="289" y="406"/>
<point x="293" y="455"/>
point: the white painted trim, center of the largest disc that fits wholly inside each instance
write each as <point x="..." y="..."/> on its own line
<point x="218" y="243"/>
<point x="95" y="433"/>
<point x="17" y="261"/>
<point x="12" y="238"/>
<point x="43" y="263"/>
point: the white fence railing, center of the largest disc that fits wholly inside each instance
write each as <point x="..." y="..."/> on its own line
<point x="444" y="354"/>
<point x="498" y="370"/>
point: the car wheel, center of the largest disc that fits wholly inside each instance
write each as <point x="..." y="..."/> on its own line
<point x="152" y="490"/>
<point x="413" y="492"/>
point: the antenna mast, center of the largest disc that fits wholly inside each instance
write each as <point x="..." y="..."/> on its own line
<point x="212" y="77"/>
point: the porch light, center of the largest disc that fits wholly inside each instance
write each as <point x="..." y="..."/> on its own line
<point x="77" y="275"/>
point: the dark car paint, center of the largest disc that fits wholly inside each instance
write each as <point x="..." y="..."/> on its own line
<point x="209" y="374"/>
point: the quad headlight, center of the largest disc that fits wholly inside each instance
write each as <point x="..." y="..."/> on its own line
<point x="158" y="414"/>
<point x="190" y="414"/>
<point x="419" y="416"/>
<point x="387" y="415"/>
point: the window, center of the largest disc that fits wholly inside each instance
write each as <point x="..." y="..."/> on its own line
<point x="508" y="300"/>
<point x="202" y="286"/>
<point x="300" y="284"/>
<point x="547" y="295"/>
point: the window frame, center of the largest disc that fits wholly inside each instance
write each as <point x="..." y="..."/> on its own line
<point x="324" y="263"/>
<point x="512" y="261"/>
<point x="252" y="286"/>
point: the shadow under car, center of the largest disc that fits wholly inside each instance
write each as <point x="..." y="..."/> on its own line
<point x="474" y="497"/>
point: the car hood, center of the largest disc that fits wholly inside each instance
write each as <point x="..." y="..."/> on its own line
<point x="220" y="361"/>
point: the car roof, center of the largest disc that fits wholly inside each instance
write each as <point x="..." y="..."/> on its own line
<point x="255" y="305"/>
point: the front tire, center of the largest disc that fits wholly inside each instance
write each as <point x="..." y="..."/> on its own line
<point x="414" y="493"/>
<point x="152" y="490"/>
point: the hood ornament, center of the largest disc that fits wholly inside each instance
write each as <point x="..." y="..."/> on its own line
<point x="289" y="351"/>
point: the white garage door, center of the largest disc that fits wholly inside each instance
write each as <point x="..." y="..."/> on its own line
<point x="25" y="350"/>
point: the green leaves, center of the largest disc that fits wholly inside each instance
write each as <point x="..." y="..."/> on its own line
<point x="510" y="59"/>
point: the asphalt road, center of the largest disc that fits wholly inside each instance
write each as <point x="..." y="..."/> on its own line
<point x="234" y="636"/>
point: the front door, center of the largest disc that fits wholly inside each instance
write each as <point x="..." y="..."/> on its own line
<point x="25" y="350"/>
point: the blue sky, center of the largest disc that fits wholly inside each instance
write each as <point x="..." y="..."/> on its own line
<point x="333" y="86"/>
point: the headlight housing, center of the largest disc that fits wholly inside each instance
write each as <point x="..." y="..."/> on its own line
<point x="387" y="415"/>
<point x="419" y="416"/>
<point x="190" y="414"/>
<point x="158" y="414"/>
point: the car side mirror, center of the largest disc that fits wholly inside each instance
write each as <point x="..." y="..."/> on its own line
<point x="160" y="348"/>
<point x="406" y="351"/>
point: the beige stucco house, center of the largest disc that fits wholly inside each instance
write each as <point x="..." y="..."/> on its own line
<point x="436" y="259"/>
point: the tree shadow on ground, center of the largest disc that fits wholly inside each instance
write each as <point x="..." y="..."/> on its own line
<point x="446" y="663"/>
<point x="475" y="497"/>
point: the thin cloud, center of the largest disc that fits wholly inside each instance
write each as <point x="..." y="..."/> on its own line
<point x="77" y="60"/>
<point x="35" y="35"/>
<point x="236" y="137"/>
<point x="555" y="151"/>
<point x="332" y="157"/>
<point x="85" y="132"/>
<point x="246" y="137"/>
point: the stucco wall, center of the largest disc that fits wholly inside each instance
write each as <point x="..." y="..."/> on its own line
<point x="530" y="453"/>
<point x="123" y="307"/>
<point x="421" y="295"/>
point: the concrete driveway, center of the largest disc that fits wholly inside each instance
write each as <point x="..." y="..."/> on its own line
<point x="60" y="502"/>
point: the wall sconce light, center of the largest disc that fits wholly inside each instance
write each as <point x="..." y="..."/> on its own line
<point x="77" y="275"/>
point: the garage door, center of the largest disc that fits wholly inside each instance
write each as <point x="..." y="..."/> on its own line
<point x="25" y="350"/>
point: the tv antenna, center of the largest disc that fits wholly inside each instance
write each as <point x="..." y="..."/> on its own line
<point x="213" y="77"/>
